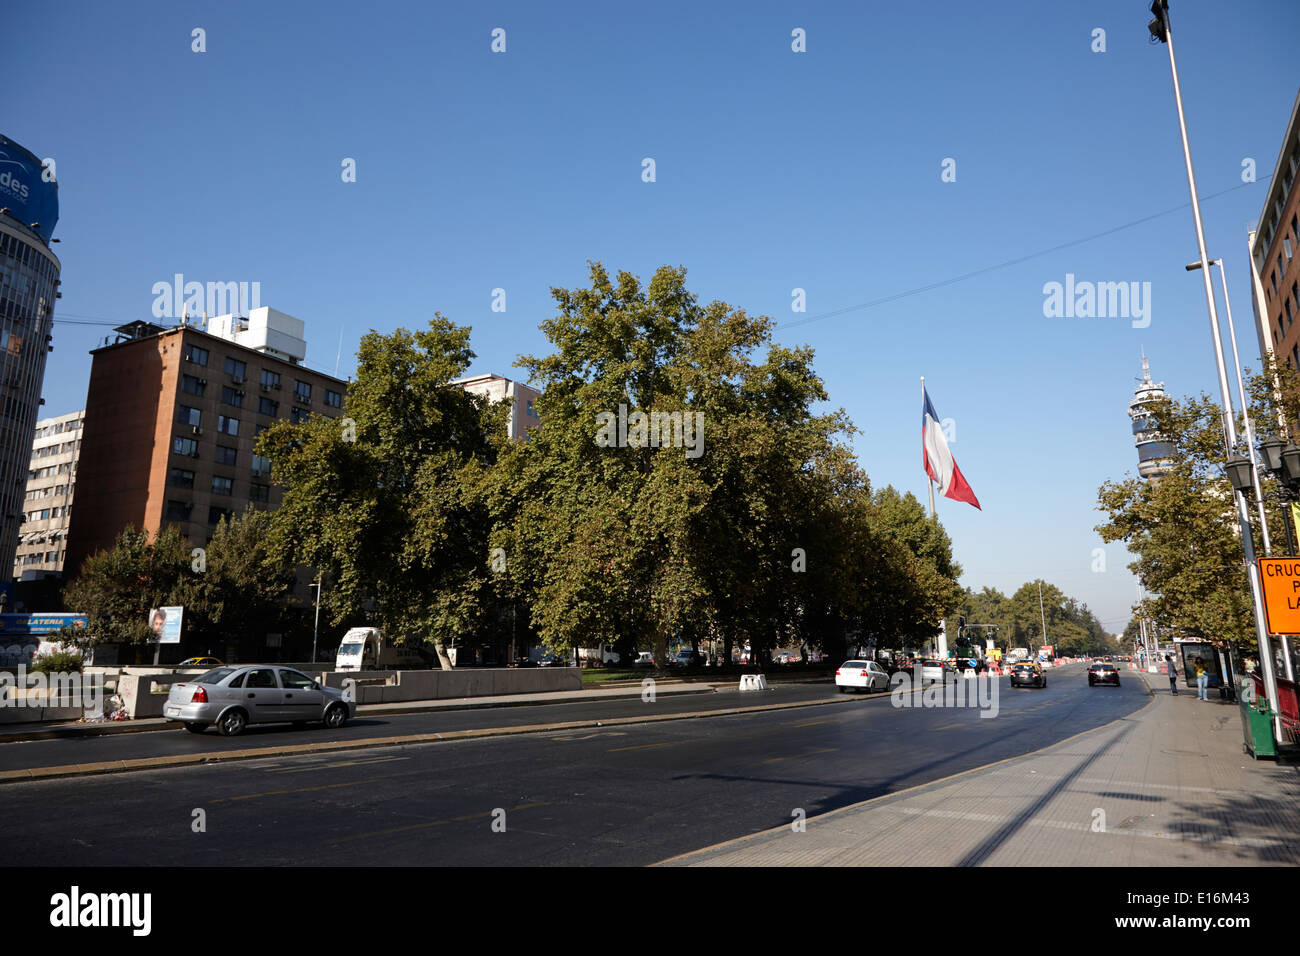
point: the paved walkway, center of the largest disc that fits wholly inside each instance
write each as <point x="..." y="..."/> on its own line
<point x="1166" y="786"/>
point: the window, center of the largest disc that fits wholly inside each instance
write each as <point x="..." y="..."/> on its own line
<point x="226" y="456"/>
<point x="261" y="678"/>
<point x="261" y="465"/>
<point x="196" y="355"/>
<point x="215" y="514"/>
<point x="267" y="407"/>
<point x="232" y="396"/>
<point x="227" y="425"/>
<point x="270" y="379"/>
<point x="193" y="385"/>
<point x="301" y="391"/>
<point x="298" y="415"/>
<point x="295" y="681"/>
<point x="259" y="492"/>
<point x="222" y="486"/>
<point x="178" y="510"/>
<point x="185" y="446"/>
<point x="180" y="478"/>
<point x="236" y="368"/>
<point x="333" y="399"/>
<point x="189" y="416"/>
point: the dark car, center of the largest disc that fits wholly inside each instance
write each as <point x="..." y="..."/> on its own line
<point x="1028" y="673"/>
<point x="1103" y="674"/>
<point x="686" y="657"/>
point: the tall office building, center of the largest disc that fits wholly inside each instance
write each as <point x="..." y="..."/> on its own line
<point x="1155" y="454"/>
<point x="51" y="484"/>
<point x="172" y="416"/>
<point x="1275" y="273"/>
<point x="29" y="279"/>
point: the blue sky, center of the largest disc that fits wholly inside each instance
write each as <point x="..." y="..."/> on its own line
<point x="775" y="170"/>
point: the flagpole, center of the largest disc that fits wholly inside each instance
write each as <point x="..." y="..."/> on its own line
<point x="943" y="624"/>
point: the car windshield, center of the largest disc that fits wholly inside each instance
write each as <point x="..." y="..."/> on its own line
<point x="349" y="650"/>
<point x="214" y="676"/>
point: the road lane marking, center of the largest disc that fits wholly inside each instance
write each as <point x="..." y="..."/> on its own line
<point x="337" y="763"/>
<point x="811" y="723"/>
<point x="809" y="753"/>
<point x="280" y="793"/>
<point x="670" y="743"/>
<point x="434" y="823"/>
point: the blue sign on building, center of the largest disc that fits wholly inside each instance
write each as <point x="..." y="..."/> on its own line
<point x="36" y="625"/>
<point x="25" y="190"/>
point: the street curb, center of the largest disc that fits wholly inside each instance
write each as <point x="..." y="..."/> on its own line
<point x="774" y="831"/>
<point x="145" y="725"/>
<point x="371" y="743"/>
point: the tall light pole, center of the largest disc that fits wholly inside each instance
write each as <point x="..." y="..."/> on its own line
<point x="315" y="627"/>
<point x="1161" y="30"/>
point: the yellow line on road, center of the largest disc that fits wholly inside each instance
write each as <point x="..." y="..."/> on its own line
<point x="809" y="753"/>
<point x="435" y="823"/>
<point x="811" y="723"/>
<point x="279" y="793"/>
<point x="670" y="743"/>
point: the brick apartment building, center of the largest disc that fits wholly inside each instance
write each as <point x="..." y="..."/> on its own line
<point x="171" y="419"/>
<point x="1275" y="271"/>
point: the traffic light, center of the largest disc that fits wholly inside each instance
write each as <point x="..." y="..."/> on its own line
<point x="1159" y="25"/>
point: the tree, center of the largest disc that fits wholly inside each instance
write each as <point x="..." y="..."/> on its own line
<point x="391" y="505"/>
<point x="117" y="587"/>
<point x="1182" y="528"/>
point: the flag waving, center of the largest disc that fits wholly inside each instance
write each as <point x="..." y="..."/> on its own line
<point x="938" y="460"/>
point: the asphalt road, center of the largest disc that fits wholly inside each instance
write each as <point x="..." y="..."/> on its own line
<point x="629" y="795"/>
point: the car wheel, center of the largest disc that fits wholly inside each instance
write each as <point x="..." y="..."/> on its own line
<point x="232" y="722"/>
<point x="336" y="717"/>
<point x="196" y="726"/>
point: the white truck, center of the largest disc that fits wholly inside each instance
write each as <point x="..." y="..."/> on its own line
<point x="598" y="656"/>
<point x="1017" y="654"/>
<point x="366" y="649"/>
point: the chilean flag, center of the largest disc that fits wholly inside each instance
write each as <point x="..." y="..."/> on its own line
<point x="939" y="464"/>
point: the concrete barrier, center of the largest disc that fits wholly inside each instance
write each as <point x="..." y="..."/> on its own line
<point x="392" y="687"/>
<point x="753" y="682"/>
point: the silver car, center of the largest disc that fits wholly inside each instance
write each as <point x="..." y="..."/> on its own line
<point x="234" y="697"/>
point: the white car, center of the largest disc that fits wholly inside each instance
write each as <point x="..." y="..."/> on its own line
<point x="854" y="675"/>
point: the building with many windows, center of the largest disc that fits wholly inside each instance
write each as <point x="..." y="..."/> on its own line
<point x="1155" y="453"/>
<point x="1275" y="272"/>
<point x="172" y="416"/>
<point x="29" y="280"/>
<point x="47" y="509"/>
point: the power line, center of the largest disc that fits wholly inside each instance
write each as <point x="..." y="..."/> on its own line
<point x="1008" y="263"/>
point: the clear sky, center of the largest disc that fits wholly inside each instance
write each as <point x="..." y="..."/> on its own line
<point x="775" y="170"/>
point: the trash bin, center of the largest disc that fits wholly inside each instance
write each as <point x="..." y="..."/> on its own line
<point x="1256" y="725"/>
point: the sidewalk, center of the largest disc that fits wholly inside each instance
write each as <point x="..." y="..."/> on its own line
<point x="1169" y="785"/>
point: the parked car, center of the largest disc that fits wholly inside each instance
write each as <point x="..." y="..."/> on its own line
<point x="206" y="663"/>
<point x="1100" y="673"/>
<point x="551" y="660"/>
<point x="644" y="659"/>
<point x="234" y="697"/>
<point x="686" y="657"/>
<point x="855" y="675"/>
<point x="1028" y="673"/>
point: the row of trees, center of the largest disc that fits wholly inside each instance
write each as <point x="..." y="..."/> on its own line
<point x="742" y="516"/>
<point x="1072" y="629"/>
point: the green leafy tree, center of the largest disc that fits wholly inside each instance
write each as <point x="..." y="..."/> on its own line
<point x="391" y="506"/>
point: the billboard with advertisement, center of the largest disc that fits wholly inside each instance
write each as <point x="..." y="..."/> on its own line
<point x="165" y="622"/>
<point x="25" y="189"/>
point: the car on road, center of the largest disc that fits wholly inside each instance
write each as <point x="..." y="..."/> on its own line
<point x="234" y="697"/>
<point x="855" y="675"/>
<point x="930" y="669"/>
<point x="1102" y="673"/>
<point x="1027" y="673"/>
<point x="206" y="663"/>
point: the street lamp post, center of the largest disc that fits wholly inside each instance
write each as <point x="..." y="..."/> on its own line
<point x="1160" y="29"/>
<point x="315" y="627"/>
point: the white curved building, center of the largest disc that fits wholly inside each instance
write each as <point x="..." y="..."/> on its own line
<point x="1155" y="455"/>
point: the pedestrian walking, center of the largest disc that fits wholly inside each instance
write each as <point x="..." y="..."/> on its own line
<point x="1202" y="680"/>
<point x="1173" y="674"/>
